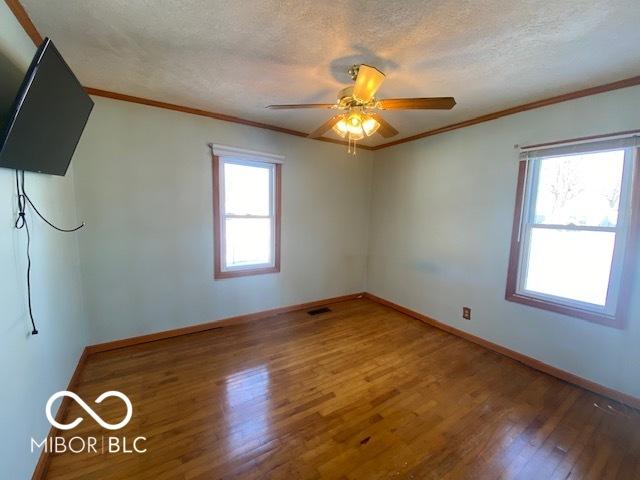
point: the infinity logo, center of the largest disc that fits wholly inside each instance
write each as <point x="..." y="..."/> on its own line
<point x="89" y="410"/>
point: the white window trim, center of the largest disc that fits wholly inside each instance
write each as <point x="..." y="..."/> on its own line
<point x="621" y="231"/>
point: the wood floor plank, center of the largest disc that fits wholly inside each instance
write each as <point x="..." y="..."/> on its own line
<point x="361" y="392"/>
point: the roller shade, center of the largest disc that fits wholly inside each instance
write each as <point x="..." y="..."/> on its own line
<point x="573" y="148"/>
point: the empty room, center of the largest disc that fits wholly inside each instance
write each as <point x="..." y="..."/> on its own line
<point x="267" y="239"/>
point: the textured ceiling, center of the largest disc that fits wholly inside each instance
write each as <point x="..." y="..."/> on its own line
<point x="235" y="57"/>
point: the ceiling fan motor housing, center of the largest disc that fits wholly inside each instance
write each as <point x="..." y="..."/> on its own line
<point x="353" y="71"/>
<point x="345" y="96"/>
<point x="346" y="99"/>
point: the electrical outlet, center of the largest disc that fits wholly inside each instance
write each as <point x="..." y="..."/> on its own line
<point x="466" y="313"/>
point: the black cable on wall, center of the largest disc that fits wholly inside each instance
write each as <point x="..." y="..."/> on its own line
<point x="22" y="223"/>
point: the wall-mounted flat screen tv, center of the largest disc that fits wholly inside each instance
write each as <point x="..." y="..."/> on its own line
<point x="47" y="117"/>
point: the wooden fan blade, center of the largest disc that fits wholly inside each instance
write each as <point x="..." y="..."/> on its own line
<point x="367" y="84"/>
<point x="385" y="129"/>
<point x="434" y="103"/>
<point x="326" y="126"/>
<point x="301" y="105"/>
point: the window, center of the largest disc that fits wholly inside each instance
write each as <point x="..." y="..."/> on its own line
<point x="575" y="230"/>
<point x="246" y="215"/>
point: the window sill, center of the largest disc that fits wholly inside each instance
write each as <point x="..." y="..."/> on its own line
<point x="601" y="318"/>
<point x="220" y="275"/>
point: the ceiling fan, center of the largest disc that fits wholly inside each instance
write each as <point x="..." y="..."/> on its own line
<point x="359" y="107"/>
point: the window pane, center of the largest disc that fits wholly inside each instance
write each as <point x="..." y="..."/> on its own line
<point x="580" y="189"/>
<point x="248" y="241"/>
<point x="570" y="264"/>
<point x="246" y="189"/>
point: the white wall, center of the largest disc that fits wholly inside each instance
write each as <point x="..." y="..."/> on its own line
<point x="441" y="219"/>
<point x="33" y="367"/>
<point x="143" y="179"/>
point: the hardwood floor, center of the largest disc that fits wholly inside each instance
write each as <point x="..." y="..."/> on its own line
<point x="362" y="392"/>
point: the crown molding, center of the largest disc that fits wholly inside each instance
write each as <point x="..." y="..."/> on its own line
<point x="23" y="18"/>
<point x="206" y="113"/>
<point x="607" y="87"/>
<point x="25" y="21"/>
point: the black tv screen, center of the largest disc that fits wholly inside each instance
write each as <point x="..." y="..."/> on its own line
<point x="47" y="118"/>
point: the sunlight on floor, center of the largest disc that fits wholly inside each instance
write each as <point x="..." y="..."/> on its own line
<point x="249" y="405"/>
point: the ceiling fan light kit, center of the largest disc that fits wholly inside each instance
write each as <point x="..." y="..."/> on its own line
<point x="355" y="125"/>
<point x="359" y="104"/>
